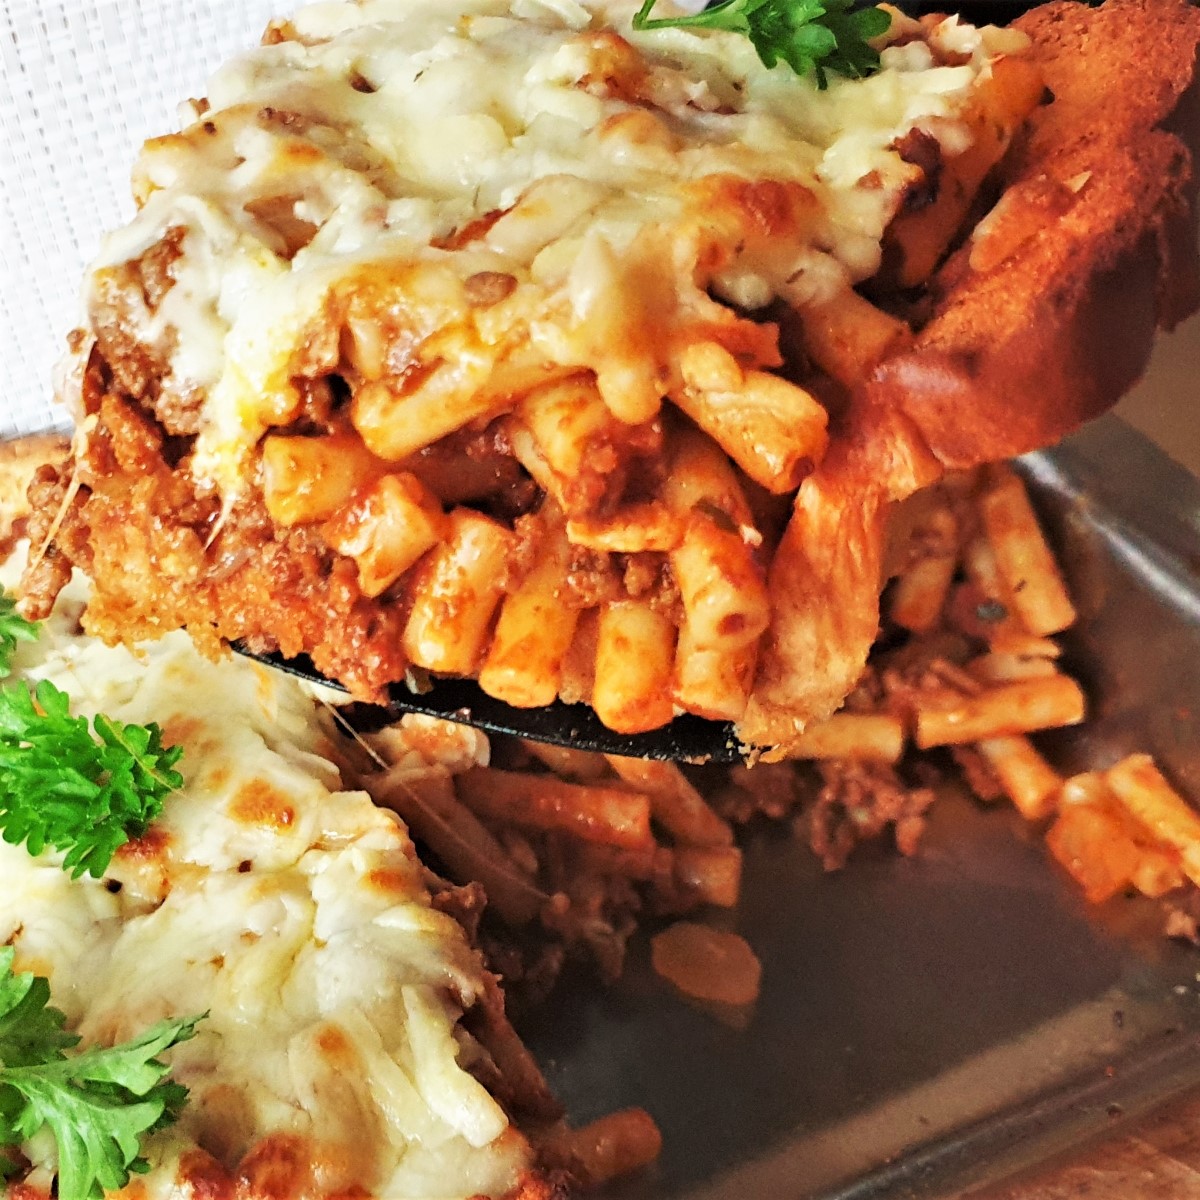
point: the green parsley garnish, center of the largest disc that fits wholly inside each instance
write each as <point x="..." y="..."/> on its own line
<point x="97" y="1103"/>
<point x="79" y="790"/>
<point x="811" y="36"/>
<point x="13" y="629"/>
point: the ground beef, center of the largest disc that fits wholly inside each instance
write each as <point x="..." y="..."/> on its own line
<point x="464" y="902"/>
<point x="591" y="579"/>
<point x="769" y="790"/>
<point x="859" y="801"/>
<point x="51" y="559"/>
<point x="530" y="969"/>
<point x="123" y="298"/>
<point x="475" y="466"/>
<point x="591" y="913"/>
<point x="978" y="773"/>
<point x="923" y="151"/>
<point x="163" y="556"/>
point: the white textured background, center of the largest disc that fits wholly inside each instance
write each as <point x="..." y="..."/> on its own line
<point x="82" y="84"/>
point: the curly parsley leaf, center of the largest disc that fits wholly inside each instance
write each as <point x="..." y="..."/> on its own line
<point x="13" y="629"/>
<point x="78" y="790"/>
<point x="97" y="1103"/>
<point x="811" y="36"/>
<point x="29" y="1028"/>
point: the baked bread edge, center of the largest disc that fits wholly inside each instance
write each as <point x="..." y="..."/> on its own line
<point x="1065" y="320"/>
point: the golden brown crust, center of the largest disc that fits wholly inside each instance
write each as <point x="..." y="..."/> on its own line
<point x="19" y="460"/>
<point x="1040" y="322"/>
<point x="279" y="1168"/>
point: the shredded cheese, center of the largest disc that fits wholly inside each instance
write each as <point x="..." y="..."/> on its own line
<point x="290" y="911"/>
<point x="377" y="132"/>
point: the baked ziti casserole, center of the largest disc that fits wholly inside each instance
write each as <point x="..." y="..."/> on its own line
<point x="503" y="340"/>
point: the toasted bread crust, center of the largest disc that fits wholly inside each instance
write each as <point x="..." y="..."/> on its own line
<point x="1025" y="343"/>
<point x="1054" y="333"/>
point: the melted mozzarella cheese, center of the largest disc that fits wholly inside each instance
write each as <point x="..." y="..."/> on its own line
<point x="293" y="913"/>
<point x="379" y="129"/>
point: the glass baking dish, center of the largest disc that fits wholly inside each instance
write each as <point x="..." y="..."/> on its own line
<point x="926" y="1024"/>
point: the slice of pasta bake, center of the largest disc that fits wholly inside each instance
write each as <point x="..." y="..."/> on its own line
<point x="295" y="917"/>
<point x="496" y="339"/>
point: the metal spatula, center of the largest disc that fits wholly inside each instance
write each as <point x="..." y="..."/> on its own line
<point x="685" y="739"/>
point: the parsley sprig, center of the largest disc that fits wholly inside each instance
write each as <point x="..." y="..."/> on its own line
<point x="811" y="36"/>
<point x="97" y="1103"/>
<point x="13" y="629"/>
<point x="79" y="790"/>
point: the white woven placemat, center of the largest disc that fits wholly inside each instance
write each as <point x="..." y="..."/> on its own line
<point x="82" y="84"/>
